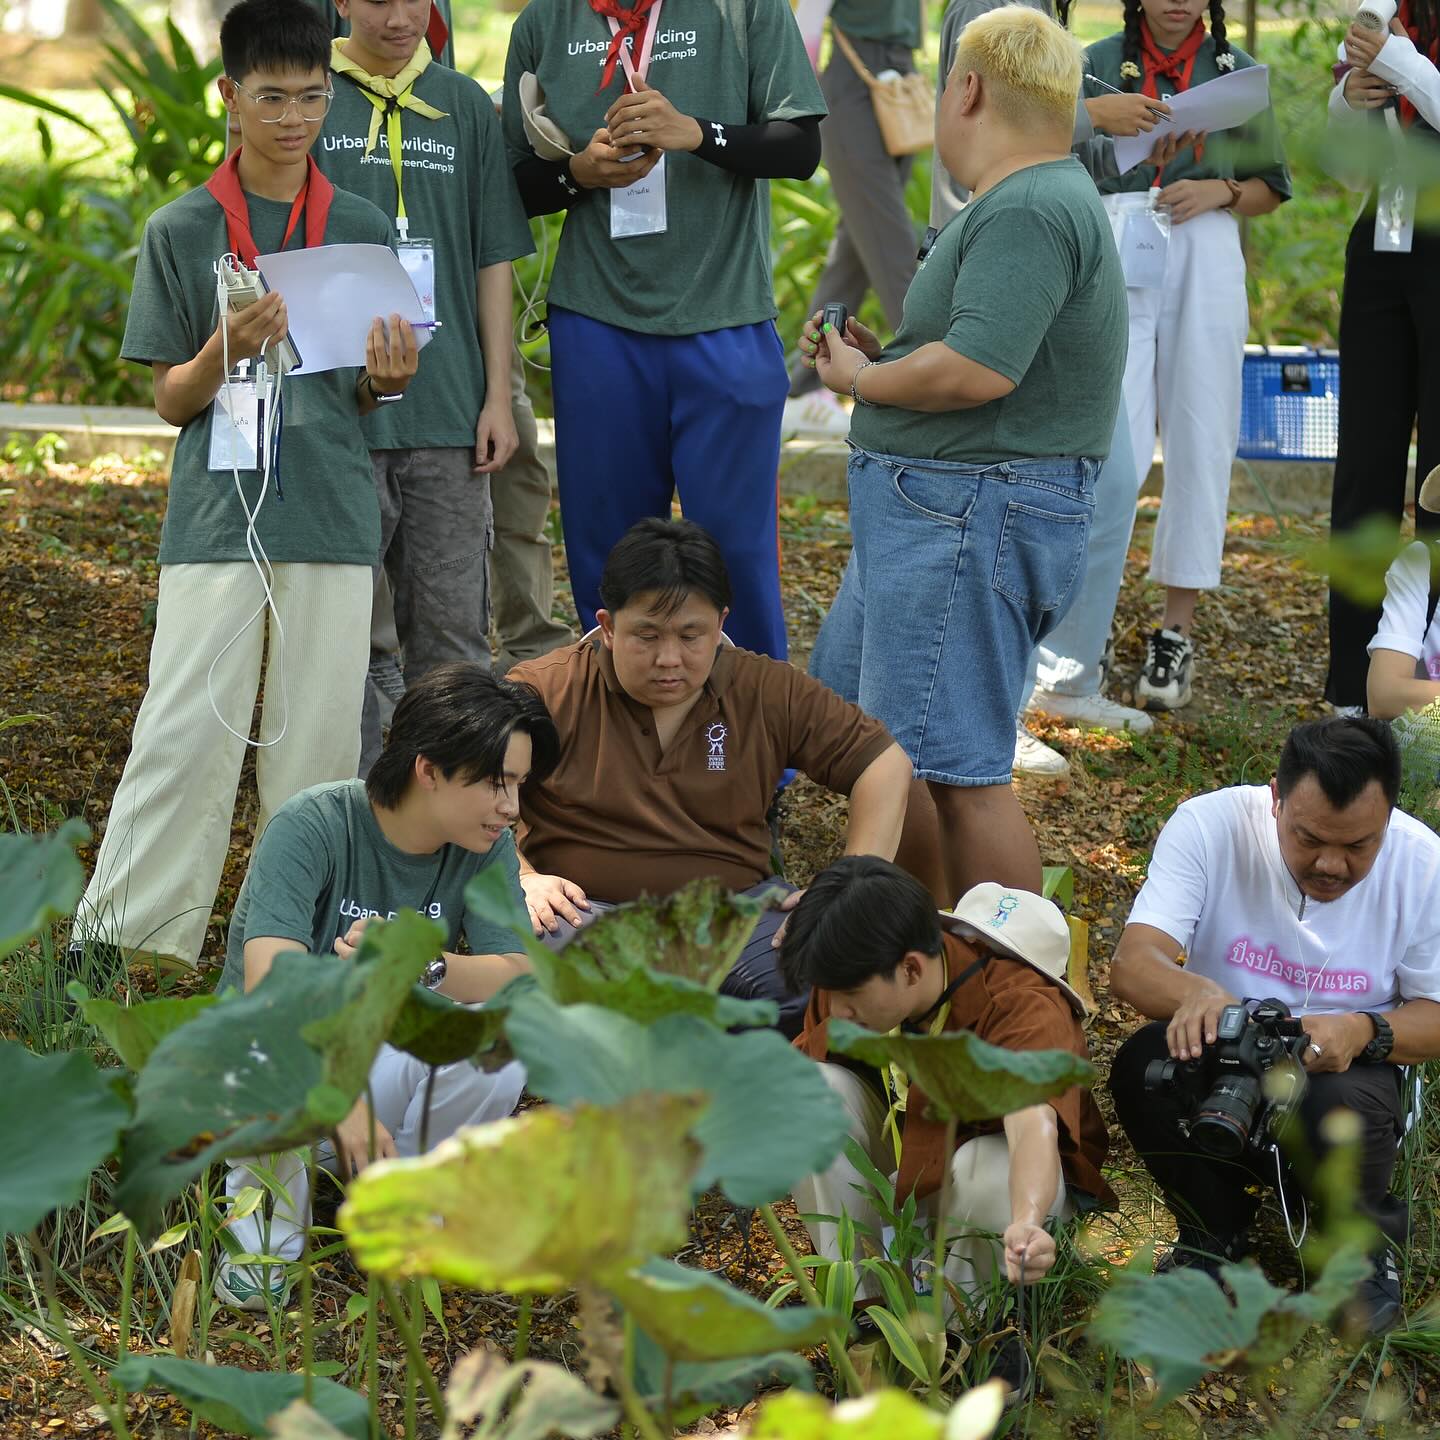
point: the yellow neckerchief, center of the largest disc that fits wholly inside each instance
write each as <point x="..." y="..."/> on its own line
<point x="895" y="1080"/>
<point x="389" y="94"/>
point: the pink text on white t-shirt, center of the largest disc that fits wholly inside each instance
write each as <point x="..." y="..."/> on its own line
<point x="1266" y="960"/>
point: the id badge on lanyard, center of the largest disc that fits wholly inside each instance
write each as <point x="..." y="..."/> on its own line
<point x="1145" y="247"/>
<point x="1394" y="204"/>
<point x="639" y="209"/>
<point x="418" y="257"/>
<point x="235" y="427"/>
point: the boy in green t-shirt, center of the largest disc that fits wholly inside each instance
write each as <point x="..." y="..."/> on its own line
<point x="423" y="143"/>
<point x="667" y="373"/>
<point x="283" y="550"/>
<point x="435" y="810"/>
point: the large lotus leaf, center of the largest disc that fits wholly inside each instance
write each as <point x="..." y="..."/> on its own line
<point x="694" y="1315"/>
<point x="606" y="964"/>
<point x="542" y="1202"/>
<point x="61" y="1121"/>
<point x="40" y="880"/>
<point x="133" y="1031"/>
<point x="964" y="1078"/>
<point x="529" y="1401"/>
<point x="436" y="1030"/>
<point x="277" y="1067"/>
<point x="243" y="1402"/>
<point x="772" y="1119"/>
<point x="1183" y="1326"/>
<point x="882" y="1415"/>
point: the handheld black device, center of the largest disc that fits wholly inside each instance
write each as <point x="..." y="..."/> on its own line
<point x="835" y="314"/>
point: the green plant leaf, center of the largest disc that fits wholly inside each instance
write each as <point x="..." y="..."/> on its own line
<point x="39" y="102"/>
<point x="297" y="1421"/>
<point x="41" y="879"/>
<point x="269" y="1070"/>
<point x="529" y="1401"/>
<point x="567" y="1197"/>
<point x="1183" y="1326"/>
<point x="244" y="1401"/>
<point x="644" y="960"/>
<point x="585" y="1053"/>
<point x="903" y="1345"/>
<point x="133" y="1031"/>
<point x="697" y="1388"/>
<point x="433" y="1028"/>
<point x="62" y="1120"/>
<point x="963" y="1077"/>
<point x="694" y="1315"/>
<point x="881" y="1415"/>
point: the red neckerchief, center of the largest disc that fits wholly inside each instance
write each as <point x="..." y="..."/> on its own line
<point x="632" y="24"/>
<point x="314" y="199"/>
<point x="1407" y="19"/>
<point x="1178" y="65"/>
<point x="437" y="32"/>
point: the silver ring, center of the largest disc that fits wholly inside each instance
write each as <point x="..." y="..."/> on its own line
<point x="1315" y="1047"/>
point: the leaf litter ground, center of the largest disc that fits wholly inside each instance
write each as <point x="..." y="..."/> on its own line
<point x="77" y="594"/>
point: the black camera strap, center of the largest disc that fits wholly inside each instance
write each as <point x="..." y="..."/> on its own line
<point x="918" y="1024"/>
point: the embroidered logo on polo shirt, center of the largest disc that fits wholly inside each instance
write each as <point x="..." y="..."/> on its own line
<point x="715" y="738"/>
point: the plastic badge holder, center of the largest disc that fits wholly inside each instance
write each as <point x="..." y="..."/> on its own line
<point x="1145" y="246"/>
<point x="417" y="255"/>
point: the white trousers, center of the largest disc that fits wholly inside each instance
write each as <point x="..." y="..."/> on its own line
<point x="461" y="1095"/>
<point x="979" y="1196"/>
<point x="165" y="843"/>
<point x="1184" y="368"/>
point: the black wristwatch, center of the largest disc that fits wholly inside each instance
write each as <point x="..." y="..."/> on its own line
<point x="1383" y="1042"/>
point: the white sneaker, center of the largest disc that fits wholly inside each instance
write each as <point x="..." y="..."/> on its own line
<point x="1035" y="757"/>
<point x="816" y="412"/>
<point x="1092" y="712"/>
<point x="240" y="1286"/>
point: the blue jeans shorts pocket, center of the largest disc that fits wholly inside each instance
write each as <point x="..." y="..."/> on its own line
<point x="1040" y="556"/>
<point x="946" y="497"/>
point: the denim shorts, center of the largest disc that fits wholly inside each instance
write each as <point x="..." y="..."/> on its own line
<point x="957" y="571"/>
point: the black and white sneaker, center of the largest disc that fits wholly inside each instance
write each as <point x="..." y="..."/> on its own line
<point x="1164" y="682"/>
<point x="1376" y="1305"/>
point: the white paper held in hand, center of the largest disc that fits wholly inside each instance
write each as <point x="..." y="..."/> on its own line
<point x="333" y="293"/>
<point x="1216" y="105"/>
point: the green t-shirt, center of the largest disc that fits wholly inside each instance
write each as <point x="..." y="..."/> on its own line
<point x="895" y="22"/>
<point x="739" y="62"/>
<point x="326" y="509"/>
<point x="1025" y="281"/>
<point x="323" y="863"/>
<point x="1249" y="151"/>
<point x="459" y="193"/>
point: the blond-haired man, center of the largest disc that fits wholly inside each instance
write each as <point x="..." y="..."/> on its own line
<point x="976" y="438"/>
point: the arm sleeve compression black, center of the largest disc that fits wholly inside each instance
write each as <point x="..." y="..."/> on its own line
<point x="547" y="186"/>
<point x="772" y="150"/>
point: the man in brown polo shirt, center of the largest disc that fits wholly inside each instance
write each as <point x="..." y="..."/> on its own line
<point x="867" y="937"/>
<point x="672" y="745"/>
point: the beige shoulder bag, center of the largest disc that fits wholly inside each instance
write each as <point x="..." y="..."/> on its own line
<point x="904" y="106"/>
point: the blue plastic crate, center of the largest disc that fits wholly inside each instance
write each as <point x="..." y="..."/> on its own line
<point x="1290" y="403"/>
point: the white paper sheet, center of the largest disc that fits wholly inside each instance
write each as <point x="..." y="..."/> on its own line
<point x="1219" y="104"/>
<point x="333" y="293"/>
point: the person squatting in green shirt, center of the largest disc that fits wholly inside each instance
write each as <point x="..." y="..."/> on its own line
<point x="434" y="812"/>
<point x="220" y="619"/>
<point x="974" y="450"/>
<point x="423" y="143"/>
<point x="663" y="122"/>
<point x="1189" y="314"/>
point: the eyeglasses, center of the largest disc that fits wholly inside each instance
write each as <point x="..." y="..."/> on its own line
<point x="272" y="106"/>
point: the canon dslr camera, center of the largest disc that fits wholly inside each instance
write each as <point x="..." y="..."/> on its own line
<point x="1243" y="1084"/>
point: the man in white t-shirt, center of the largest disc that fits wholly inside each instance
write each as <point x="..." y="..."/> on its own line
<point x="1317" y="892"/>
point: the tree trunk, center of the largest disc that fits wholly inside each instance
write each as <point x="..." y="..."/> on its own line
<point x="83" y="18"/>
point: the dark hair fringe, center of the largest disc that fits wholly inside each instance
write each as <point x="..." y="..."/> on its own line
<point x="1425" y="15"/>
<point x="859" y="918"/>
<point x="672" y="558"/>
<point x="1344" y="753"/>
<point x="273" y="35"/>
<point x="461" y="718"/>
<point x="1131" y="48"/>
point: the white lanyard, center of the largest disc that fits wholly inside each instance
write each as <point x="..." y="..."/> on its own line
<point x="643" y="69"/>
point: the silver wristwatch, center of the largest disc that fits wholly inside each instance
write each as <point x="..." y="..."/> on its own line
<point x="379" y="396"/>
<point x="433" y="976"/>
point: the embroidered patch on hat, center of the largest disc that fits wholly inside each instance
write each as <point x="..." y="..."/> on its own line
<point x="1006" y="904"/>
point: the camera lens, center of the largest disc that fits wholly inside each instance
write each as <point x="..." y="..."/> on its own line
<point x="1222" y="1123"/>
<point x="1159" y="1075"/>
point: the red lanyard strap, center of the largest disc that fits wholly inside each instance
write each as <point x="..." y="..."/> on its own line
<point x="314" y="200"/>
